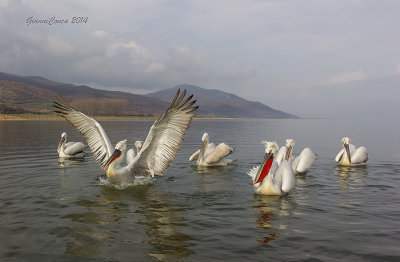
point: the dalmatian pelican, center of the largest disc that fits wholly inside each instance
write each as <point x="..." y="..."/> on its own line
<point x="158" y="150"/>
<point x="70" y="149"/>
<point x="302" y="163"/>
<point x="350" y="155"/>
<point x="211" y="155"/>
<point x="271" y="178"/>
<point x="131" y="154"/>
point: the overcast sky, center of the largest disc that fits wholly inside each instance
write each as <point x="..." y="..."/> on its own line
<point x="314" y="58"/>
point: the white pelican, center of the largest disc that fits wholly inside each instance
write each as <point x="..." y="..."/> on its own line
<point x="271" y="178"/>
<point x="211" y="155"/>
<point x="130" y="154"/>
<point x="302" y="163"/>
<point x="162" y="142"/>
<point x="70" y="149"/>
<point x="350" y="155"/>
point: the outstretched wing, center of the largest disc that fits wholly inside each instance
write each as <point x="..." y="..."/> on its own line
<point x="89" y="128"/>
<point x="165" y="137"/>
<point x="219" y="153"/>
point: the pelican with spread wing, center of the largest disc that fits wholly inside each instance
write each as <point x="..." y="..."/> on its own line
<point x="158" y="150"/>
<point x="211" y="155"/>
<point x="350" y="155"/>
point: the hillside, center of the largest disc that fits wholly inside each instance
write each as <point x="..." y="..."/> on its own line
<point x="33" y="94"/>
<point x="215" y="103"/>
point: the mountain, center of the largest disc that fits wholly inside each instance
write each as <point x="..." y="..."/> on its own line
<point x="34" y="94"/>
<point x="215" y="103"/>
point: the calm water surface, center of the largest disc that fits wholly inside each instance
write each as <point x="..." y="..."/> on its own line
<point x="62" y="211"/>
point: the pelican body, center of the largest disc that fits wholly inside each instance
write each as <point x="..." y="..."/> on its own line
<point x="70" y="149"/>
<point x="271" y="178"/>
<point x="300" y="164"/>
<point x="350" y="155"/>
<point x="211" y="155"/>
<point x="130" y="154"/>
<point x="157" y="152"/>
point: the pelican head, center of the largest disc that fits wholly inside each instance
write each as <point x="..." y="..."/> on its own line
<point x="346" y="142"/>
<point x="289" y="145"/>
<point x="62" y="141"/>
<point x="205" y="137"/>
<point x="118" y="154"/>
<point x="138" y="145"/>
<point x="271" y="147"/>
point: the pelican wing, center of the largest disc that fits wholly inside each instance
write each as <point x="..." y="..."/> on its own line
<point x="360" y="155"/>
<point x="281" y="154"/>
<point x="339" y="155"/>
<point x="165" y="137"/>
<point x="74" y="148"/>
<point x="219" y="153"/>
<point x="195" y="155"/>
<point x="91" y="130"/>
<point x="306" y="159"/>
<point x="284" y="176"/>
<point x="130" y="156"/>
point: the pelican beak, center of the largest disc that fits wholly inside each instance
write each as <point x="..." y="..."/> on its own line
<point x="204" y="146"/>
<point x="267" y="156"/>
<point x="62" y="140"/>
<point x="115" y="155"/>
<point x="346" y="147"/>
<point x="288" y="152"/>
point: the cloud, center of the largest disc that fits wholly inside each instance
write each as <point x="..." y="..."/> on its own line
<point x="345" y="77"/>
<point x="398" y="68"/>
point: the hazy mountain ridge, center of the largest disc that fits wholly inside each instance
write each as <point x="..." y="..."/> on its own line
<point x="216" y="103"/>
<point x="34" y="94"/>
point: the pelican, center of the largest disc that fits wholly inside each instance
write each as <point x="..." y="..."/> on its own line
<point x="271" y="178"/>
<point x="163" y="140"/>
<point x="70" y="149"/>
<point x="130" y="154"/>
<point x="211" y="155"/>
<point x="350" y="155"/>
<point x="302" y="163"/>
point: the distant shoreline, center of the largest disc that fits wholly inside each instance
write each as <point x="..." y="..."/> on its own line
<point x="19" y="117"/>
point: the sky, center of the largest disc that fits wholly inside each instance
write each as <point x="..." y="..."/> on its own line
<point x="314" y="58"/>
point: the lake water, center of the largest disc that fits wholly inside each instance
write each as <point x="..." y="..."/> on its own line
<point x="62" y="211"/>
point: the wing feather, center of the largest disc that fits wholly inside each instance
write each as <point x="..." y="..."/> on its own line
<point x="360" y="155"/>
<point x="74" y="148"/>
<point x="165" y="137"/>
<point x="306" y="159"/>
<point x="194" y="156"/>
<point x="89" y="128"/>
<point x="219" y="153"/>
